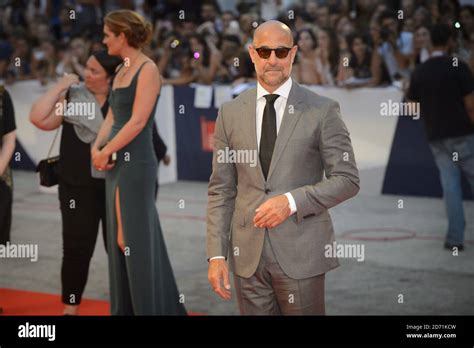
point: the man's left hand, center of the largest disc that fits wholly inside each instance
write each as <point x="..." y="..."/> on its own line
<point x="272" y="213"/>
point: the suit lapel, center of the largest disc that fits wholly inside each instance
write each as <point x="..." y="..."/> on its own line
<point x="290" y="118"/>
<point x="249" y="107"/>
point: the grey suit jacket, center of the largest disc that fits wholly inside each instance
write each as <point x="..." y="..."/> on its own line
<point x="312" y="141"/>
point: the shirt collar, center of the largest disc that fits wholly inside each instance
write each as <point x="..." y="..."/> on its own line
<point x="283" y="90"/>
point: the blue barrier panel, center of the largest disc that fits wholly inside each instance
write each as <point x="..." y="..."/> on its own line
<point x="194" y="133"/>
<point x="411" y="168"/>
<point x="25" y="162"/>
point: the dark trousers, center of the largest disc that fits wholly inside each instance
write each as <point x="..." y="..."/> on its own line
<point x="6" y="201"/>
<point x="82" y="210"/>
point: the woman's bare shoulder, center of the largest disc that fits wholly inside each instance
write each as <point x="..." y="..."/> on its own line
<point x="149" y="73"/>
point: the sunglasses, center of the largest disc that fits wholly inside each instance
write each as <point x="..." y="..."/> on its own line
<point x="280" y="52"/>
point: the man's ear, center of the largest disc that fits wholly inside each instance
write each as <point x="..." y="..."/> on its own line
<point x="294" y="49"/>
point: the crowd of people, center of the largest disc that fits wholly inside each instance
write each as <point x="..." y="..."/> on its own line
<point x="340" y="42"/>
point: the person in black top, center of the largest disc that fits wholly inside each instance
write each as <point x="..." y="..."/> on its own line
<point x="444" y="87"/>
<point x="81" y="195"/>
<point x="7" y="146"/>
<point x="160" y="152"/>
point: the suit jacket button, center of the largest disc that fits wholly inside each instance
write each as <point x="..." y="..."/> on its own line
<point x="267" y="191"/>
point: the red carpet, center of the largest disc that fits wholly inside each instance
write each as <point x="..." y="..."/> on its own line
<point x="20" y="302"/>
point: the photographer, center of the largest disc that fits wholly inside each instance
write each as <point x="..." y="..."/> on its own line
<point x="77" y="178"/>
<point x="395" y="47"/>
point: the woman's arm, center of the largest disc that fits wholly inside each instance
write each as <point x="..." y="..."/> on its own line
<point x="6" y="150"/>
<point x="104" y="131"/>
<point x="205" y="75"/>
<point x="164" y="59"/>
<point x="376" y="69"/>
<point x="101" y="139"/>
<point x="43" y="112"/>
<point x="322" y="71"/>
<point x="149" y="81"/>
<point x="35" y="67"/>
<point x="166" y="56"/>
<point x="215" y="60"/>
<point x="343" y="73"/>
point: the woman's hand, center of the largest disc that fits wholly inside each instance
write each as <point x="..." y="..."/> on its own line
<point x="100" y="160"/>
<point x="67" y="81"/>
<point x="94" y="152"/>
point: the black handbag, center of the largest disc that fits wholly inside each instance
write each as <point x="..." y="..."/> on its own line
<point x="48" y="168"/>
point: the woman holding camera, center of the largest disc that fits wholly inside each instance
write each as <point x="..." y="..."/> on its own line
<point x="81" y="187"/>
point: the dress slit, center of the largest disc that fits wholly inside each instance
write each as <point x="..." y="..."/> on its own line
<point x="118" y="214"/>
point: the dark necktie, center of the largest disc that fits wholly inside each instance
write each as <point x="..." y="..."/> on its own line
<point x="268" y="134"/>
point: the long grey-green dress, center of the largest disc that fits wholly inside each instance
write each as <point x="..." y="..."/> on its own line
<point x="141" y="278"/>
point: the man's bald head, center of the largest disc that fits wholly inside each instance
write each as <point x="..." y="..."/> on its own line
<point x="272" y="71"/>
<point x="272" y="29"/>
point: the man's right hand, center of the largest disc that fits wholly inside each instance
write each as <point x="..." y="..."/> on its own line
<point x="218" y="272"/>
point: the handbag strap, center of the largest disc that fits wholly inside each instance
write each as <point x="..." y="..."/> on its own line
<point x="57" y="131"/>
<point x="54" y="141"/>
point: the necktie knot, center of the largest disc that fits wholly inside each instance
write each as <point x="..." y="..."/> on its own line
<point x="271" y="98"/>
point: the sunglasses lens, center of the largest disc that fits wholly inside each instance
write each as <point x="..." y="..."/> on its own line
<point x="264" y="52"/>
<point x="281" y="52"/>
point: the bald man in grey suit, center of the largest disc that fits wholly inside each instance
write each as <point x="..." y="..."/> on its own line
<point x="269" y="218"/>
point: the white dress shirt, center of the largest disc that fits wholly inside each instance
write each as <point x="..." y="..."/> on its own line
<point x="280" y="104"/>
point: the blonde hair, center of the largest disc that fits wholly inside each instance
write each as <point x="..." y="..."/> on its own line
<point x="136" y="29"/>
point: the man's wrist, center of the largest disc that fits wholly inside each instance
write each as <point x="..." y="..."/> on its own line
<point x="291" y="203"/>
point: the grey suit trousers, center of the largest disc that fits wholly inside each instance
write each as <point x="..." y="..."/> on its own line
<point x="269" y="291"/>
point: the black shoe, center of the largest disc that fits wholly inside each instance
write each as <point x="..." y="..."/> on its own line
<point x="448" y="246"/>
